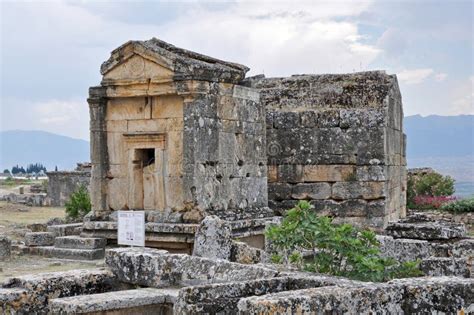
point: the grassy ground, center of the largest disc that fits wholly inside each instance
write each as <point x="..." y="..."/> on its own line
<point x="22" y="265"/>
<point x="13" y="182"/>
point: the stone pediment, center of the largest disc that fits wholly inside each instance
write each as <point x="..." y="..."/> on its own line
<point x="157" y="60"/>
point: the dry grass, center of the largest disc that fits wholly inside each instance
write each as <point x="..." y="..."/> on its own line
<point x="20" y="214"/>
<point x="22" y="265"/>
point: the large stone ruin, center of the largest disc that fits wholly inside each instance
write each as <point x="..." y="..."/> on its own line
<point x="338" y="141"/>
<point x="184" y="136"/>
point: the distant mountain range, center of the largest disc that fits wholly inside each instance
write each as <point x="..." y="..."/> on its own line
<point x="25" y="147"/>
<point x="445" y="143"/>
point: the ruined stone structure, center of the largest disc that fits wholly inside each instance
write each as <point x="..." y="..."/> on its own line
<point x="62" y="184"/>
<point x="175" y="132"/>
<point x="183" y="136"/>
<point x="338" y="141"/>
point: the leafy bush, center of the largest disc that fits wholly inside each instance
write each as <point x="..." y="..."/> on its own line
<point x="430" y="184"/>
<point x="460" y="206"/>
<point x="79" y="203"/>
<point x="340" y="250"/>
<point x="435" y="184"/>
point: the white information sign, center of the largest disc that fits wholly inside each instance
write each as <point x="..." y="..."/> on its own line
<point x="131" y="228"/>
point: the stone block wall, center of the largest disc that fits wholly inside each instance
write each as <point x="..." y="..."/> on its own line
<point x="62" y="184"/>
<point x="336" y="140"/>
<point x="224" y="152"/>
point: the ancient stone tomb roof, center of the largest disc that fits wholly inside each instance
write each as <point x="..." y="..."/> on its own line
<point x="181" y="64"/>
<point x="354" y="90"/>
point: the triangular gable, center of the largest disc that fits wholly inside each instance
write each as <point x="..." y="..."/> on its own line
<point x="138" y="68"/>
<point x="131" y="60"/>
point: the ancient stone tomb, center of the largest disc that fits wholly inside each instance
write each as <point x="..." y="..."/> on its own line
<point x="172" y="129"/>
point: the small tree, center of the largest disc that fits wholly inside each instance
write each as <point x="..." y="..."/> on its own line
<point x="79" y="203"/>
<point x="430" y="184"/>
<point x="6" y="171"/>
<point x="340" y="250"/>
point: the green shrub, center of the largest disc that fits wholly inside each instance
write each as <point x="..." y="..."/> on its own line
<point x="340" y="250"/>
<point x="428" y="184"/>
<point x="79" y="203"/>
<point x="435" y="184"/>
<point x="460" y="206"/>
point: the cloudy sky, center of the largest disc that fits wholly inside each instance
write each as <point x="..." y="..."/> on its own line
<point x="51" y="51"/>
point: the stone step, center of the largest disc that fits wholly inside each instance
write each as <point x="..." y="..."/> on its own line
<point x="39" y="239"/>
<point x="138" y="301"/>
<point x="65" y="229"/>
<point x="68" y="253"/>
<point x="76" y="242"/>
<point x="426" y="230"/>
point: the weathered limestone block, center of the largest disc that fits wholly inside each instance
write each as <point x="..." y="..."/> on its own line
<point x="311" y="191"/>
<point x="39" y="288"/>
<point x="352" y="190"/>
<point x="343" y="300"/>
<point x="404" y="249"/>
<point x="279" y="191"/>
<point x="64" y="229"/>
<point x="156" y="268"/>
<point x="138" y="301"/>
<point x="39" y="239"/>
<point x="166" y="216"/>
<point x="67" y="253"/>
<point x="426" y="230"/>
<point x="5" y="247"/>
<point x="77" y="242"/>
<point x="242" y="253"/>
<point x="213" y="239"/>
<point x="328" y="173"/>
<point x="371" y="173"/>
<point x="446" y="266"/>
<point x="436" y="295"/>
<point x="463" y="248"/>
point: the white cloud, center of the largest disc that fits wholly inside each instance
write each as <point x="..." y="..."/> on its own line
<point x="441" y="76"/>
<point x="414" y="76"/>
<point x="67" y="117"/>
<point x="463" y="98"/>
<point x="278" y="39"/>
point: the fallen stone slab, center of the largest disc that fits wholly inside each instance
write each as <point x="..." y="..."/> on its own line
<point x="436" y="295"/>
<point x="158" y="268"/>
<point x="65" y="229"/>
<point x="68" y="253"/>
<point x="426" y="230"/>
<point x="30" y="294"/>
<point x="446" y="266"/>
<point x="39" y="239"/>
<point x="138" y="301"/>
<point x="429" y="295"/>
<point x="333" y="300"/>
<point x="5" y="247"/>
<point x="76" y="242"/>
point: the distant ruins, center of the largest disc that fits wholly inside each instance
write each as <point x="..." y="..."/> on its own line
<point x="183" y="135"/>
<point x="61" y="184"/>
